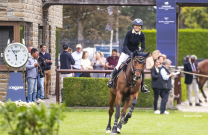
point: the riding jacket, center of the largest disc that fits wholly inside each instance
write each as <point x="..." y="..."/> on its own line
<point x="132" y="41"/>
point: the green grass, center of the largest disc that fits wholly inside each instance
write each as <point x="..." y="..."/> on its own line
<point x="143" y="122"/>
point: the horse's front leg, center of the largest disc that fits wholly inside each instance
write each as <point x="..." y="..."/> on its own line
<point x="119" y="97"/>
<point x="133" y="98"/>
<point x="111" y="110"/>
<point x="123" y="113"/>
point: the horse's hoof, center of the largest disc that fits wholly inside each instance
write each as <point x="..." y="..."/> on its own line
<point x="108" y="131"/>
<point x="118" y="130"/>
<point x="123" y="121"/>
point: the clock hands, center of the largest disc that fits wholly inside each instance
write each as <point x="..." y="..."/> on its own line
<point x="15" y="54"/>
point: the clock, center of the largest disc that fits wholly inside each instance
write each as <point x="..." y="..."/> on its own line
<point x="16" y="55"/>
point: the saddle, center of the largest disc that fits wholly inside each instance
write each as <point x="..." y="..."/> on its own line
<point x="123" y="67"/>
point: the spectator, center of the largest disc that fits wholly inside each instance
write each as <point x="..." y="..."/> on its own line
<point x="47" y="70"/>
<point x="164" y="84"/>
<point x="154" y="83"/>
<point x="118" y="54"/>
<point x="161" y="59"/>
<point x="77" y="56"/>
<point x="32" y="73"/>
<point x="66" y="62"/>
<point x="186" y="59"/>
<point x="101" y="56"/>
<point x="112" y="61"/>
<point x="40" y="81"/>
<point x="191" y="80"/>
<point x="85" y="64"/>
<point x="29" y="50"/>
<point x="70" y="50"/>
<point x="150" y="60"/>
<point x="98" y="64"/>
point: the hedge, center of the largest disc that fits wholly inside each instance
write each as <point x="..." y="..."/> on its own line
<point x="93" y="92"/>
<point x="191" y="41"/>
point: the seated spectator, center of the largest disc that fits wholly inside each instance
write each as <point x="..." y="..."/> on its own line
<point x="98" y="64"/>
<point x="112" y="61"/>
<point x="85" y="64"/>
<point x="32" y="74"/>
<point x="150" y="60"/>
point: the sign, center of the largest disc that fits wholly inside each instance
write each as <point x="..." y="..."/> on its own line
<point x="166" y="28"/>
<point x="105" y="49"/>
<point x="15" y="90"/>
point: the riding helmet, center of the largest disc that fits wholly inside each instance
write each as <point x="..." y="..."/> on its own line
<point x="137" y="22"/>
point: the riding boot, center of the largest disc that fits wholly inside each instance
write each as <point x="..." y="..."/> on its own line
<point x="144" y="88"/>
<point x="113" y="74"/>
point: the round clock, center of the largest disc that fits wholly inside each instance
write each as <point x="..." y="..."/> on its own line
<point x="16" y="55"/>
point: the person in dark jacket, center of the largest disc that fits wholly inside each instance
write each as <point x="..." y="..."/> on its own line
<point x="154" y="83"/>
<point x="131" y="43"/>
<point x="164" y="84"/>
<point x="66" y="61"/>
<point x="191" y="80"/>
<point x="41" y="76"/>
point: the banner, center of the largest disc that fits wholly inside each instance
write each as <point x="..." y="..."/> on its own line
<point x="166" y="28"/>
<point x="15" y="90"/>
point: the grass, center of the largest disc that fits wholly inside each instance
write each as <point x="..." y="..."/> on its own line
<point x="143" y="122"/>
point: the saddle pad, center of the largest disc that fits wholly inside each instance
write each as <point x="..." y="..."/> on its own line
<point x="123" y="66"/>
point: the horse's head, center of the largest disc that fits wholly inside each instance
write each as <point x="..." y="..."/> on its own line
<point x="138" y="64"/>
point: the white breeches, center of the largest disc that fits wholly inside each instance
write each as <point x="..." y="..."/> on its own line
<point x="123" y="57"/>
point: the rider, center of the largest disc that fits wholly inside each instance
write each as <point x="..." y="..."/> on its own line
<point x="131" y="43"/>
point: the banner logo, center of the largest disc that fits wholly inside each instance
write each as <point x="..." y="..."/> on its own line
<point x="166" y="6"/>
<point x="166" y="21"/>
<point x="15" y="87"/>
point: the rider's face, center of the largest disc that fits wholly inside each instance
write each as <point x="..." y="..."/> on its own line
<point x="137" y="27"/>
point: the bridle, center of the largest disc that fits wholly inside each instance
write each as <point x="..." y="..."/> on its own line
<point x="141" y="60"/>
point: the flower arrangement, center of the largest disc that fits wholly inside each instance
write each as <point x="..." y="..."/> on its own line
<point x="19" y="104"/>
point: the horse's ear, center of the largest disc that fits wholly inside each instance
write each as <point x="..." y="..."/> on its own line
<point x="146" y="54"/>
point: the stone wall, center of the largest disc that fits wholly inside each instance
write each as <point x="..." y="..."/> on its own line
<point x="32" y="13"/>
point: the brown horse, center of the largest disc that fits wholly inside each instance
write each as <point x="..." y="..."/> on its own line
<point x="203" y="69"/>
<point x="128" y="86"/>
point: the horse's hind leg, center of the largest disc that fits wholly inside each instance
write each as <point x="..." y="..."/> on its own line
<point x="201" y="82"/>
<point x="133" y="98"/>
<point x="117" y="115"/>
<point x="123" y="113"/>
<point x="111" y="110"/>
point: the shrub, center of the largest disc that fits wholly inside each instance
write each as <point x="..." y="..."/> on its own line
<point x="33" y="120"/>
<point x="95" y="93"/>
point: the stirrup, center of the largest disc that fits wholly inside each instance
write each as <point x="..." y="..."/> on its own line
<point x="145" y="89"/>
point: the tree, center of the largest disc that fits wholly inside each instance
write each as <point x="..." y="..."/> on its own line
<point x="194" y="17"/>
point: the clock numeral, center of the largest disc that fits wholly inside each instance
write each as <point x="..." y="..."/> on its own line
<point x="11" y="62"/>
<point x="20" y="47"/>
<point x="23" y="50"/>
<point x="15" y="63"/>
<point x="20" y="62"/>
<point x="25" y="54"/>
<point x="23" y="59"/>
<point x="7" y="55"/>
<point x="15" y="46"/>
<point x="8" y="59"/>
<point x="11" y="47"/>
<point x="8" y="50"/>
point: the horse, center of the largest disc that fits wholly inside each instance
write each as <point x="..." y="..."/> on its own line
<point x="126" y="88"/>
<point x="203" y="69"/>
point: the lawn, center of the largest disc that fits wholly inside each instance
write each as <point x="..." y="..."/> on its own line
<point x="144" y="122"/>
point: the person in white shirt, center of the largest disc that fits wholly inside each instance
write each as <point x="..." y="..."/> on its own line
<point x="85" y="64"/>
<point x="77" y="56"/>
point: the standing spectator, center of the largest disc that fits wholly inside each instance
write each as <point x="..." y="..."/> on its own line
<point x="29" y="50"/>
<point x="77" y="56"/>
<point x="85" y="64"/>
<point x="164" y="84"/>
<point x="40" y="81"/>
<point x="70" y="50"/>
<point x="112" y="61"/>
<point x="161" y="59"/>
<point x="98" y="64"/>
<point x="150" y="60"/>
<point x="47" y="70"/>
<point x="191" y="80"/>
<point x="154" y="83"/>
<point x="66" y="62"/>
<point x="32" y="73"/>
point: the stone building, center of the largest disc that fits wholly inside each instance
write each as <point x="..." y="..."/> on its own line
<point x="37" y="25"/>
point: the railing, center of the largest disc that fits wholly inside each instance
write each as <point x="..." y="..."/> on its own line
<point x="177" y="91"/>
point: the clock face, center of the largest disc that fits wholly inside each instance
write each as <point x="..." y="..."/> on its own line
<point x="16" y="55"/>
